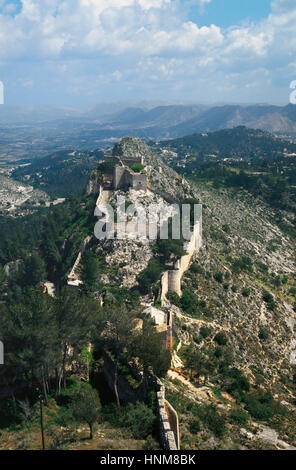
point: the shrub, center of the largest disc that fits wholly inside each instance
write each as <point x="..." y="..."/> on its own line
<point x="137" y="167"/>
<point x="150" y="275"/>
<point x="238" y="383"/>
<point x="267" y="296"/>
<point x="218" y="352"/>
<point x="221" y="339"/>
<point x="269" y="299"/>
<point x="205" y="331"/>
<point x="242" y="264"/>
<point x="246" y="292"/>
<point x="226" y="228"/>
<point x="263" y="267"/>
<point x="260" y="406"/>
<point x="174" y="298"/>
<point x="137" y="418"/>
<point x="195" y="268"/>
<point x="239" y="417"/>
<point x="189" y="301"/>
<point x="263" y="334"/>
<point x="195" y="426"/>
<point x="218" y="276"/>
<point x="170" y="247"/>
<point x="213" y="420"/>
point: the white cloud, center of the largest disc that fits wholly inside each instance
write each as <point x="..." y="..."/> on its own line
<point x="138" y="40"/>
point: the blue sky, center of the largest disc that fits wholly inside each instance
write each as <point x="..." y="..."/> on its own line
<point x="227" y="13"/>
<point x="82" y="52"/>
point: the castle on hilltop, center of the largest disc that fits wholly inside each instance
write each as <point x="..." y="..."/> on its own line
<point x="128" y="172"/>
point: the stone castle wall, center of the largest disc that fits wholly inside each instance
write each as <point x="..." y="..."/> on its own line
<point x="168" y="422"/>
<point x="124" y="178"/>
<point x="119" y="177"/>
<point x="171" y="279"/>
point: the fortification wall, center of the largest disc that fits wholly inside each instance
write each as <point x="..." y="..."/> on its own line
<point x="171" y="280"/>
<point x="139" y="181"/>
<point x="100" y="196"/>
<point x="124" y="178"/>
<point x="73" y="278"/>
<point x="119" y="177"/>
<point x="131" y="160"/>
<point x="164" y="284"/>
<point x="167" y="416"/>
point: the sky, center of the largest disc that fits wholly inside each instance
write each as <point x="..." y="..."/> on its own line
<point x="82" y="52"/>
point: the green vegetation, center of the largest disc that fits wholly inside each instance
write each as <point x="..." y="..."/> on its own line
<point x="150" y="275"/>
<point x="61" y="173"/>
<point x="262" y="406"/>
<point x="138" y="419"/>
<point x="238" y="417"/>
<point x="269" y="299"/>
<point x="239" y="143"/>
<point x="137" y="167"/>
<point x="86" y="406"/>
<point x="221" y="339"/>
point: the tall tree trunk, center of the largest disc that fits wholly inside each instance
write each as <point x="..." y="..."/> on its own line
<point x="56" y="381"/>
<point x="44" y="387"/>
<point x="91" y="431"/>
<point x="115" y="383"/>
<point x="62" y="371"/>
<point x="14" y="403"/>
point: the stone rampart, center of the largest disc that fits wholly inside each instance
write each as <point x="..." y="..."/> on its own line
<point x="171" y="279"/>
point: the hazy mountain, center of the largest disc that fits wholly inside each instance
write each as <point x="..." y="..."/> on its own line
<point x="274" y="119"/>
<point x="161" y="116"/>
<point x="27" y="132"/>
<point x="164" y="121"/>
<point x="16" y="115"/>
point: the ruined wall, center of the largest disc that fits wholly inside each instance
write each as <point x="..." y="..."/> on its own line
<point x="100" y="196"/>
<point x="124" y="178"/>
<point x="169" y="437"/>
<point x="119" y="177"/>
<point x="171" y="280"/>
<point x="131" y="160"/>
<point x="139" y="181"/>
<point x="74" y="277"/>
<point x="164" y="284"/>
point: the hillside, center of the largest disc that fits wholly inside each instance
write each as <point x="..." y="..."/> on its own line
<point x="235" y="320"/>
<point x="238" y="310"/>
<point x="238" y="143"/>
<point x="59" y="174"/>
<point x="232" y="374"/>
<point x="13" y="195"/>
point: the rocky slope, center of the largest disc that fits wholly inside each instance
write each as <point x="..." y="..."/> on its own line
<point x="244" y="256"/>
<point x="237" y="311"/>
<point x="14" y="194"/>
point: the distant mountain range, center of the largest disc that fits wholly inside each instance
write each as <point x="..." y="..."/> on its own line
<point x="175" y="120"/>
<point x="35" y="131"/>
